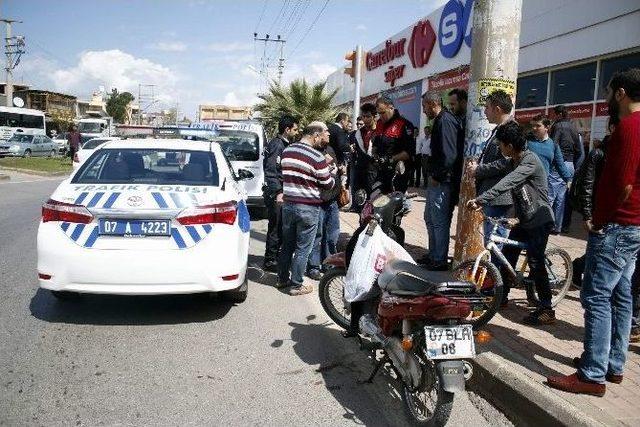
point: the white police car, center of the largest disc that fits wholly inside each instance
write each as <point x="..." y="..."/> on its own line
<point x="146" y="217"/>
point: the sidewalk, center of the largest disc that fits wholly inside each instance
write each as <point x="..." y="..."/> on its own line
<point x="511" y="369"/>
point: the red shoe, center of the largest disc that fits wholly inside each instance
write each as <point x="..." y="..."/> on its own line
<point x="573" y="384"/>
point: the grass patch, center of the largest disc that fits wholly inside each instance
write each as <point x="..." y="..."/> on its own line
<point x="38" y="164"/>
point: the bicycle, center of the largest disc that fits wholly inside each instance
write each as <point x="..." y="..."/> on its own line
<point x="484" y="273"/>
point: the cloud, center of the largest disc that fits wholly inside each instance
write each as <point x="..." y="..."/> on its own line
<point x="115" y="69"/>
<point x="361" y="27"/>
<point x="229" y="47"/>
<point x="321" y="71"/>
<point x="169" y="46"/>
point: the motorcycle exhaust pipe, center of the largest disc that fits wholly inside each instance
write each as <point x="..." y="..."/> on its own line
<point x="467" y="370"/>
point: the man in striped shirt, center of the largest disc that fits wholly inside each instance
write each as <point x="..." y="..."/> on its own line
<point x="305" y="174"/>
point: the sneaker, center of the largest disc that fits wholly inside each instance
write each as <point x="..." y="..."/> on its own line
<point x="634" y="337"/>
<point x="425" y="260"/>
<point x="281" y="284"/>
<point x="314" y="274"/>
<point x="541" y="316"/>
<point x="300" y="290"/>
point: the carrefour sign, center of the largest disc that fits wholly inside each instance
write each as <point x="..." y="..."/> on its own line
<point x="454" y="27"/>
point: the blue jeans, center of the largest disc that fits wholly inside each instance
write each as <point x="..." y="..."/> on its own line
<point x="437" y="216"/>
<point x="495" y="212"/>
<point x="558" y="196"/>
<point x="606" y="299"/>
<point x="327" y="235"/>
<point x="299" y="224"/>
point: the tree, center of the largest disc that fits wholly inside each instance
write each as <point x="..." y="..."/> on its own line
<point x="117" y="105"/>
<point x="301" y="100"/>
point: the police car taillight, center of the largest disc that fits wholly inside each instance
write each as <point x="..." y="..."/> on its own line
<point x="222" y="213"/>
<point x="53" y="210"/>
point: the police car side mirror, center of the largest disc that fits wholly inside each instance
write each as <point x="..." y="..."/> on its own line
<point x="244" y="174"/>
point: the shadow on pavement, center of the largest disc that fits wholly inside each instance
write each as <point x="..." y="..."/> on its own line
<point x="129" y="310"/>
<point x="560" y="329"/>
<point x="342" y="366"/>
<point x="504" y="350"/>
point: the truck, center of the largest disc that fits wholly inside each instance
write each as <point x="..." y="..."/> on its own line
<point x="93" y="127"/>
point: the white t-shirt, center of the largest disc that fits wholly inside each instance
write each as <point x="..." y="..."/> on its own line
<point x="423" y="146"/>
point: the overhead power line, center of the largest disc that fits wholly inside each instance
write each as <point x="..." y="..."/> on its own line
<point x="264" y="7"/>
<point x="310" y="28"/>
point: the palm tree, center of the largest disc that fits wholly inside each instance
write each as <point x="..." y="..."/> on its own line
<point x="301" y="100"/>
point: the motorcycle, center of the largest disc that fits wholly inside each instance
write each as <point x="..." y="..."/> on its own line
<point x="418" y="321"/>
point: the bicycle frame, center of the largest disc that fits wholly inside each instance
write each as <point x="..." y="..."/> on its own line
<point x="492" y="249"/>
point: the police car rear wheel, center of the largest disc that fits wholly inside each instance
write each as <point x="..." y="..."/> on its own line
<point x="237" y="295"/>
<point x="65" y="296"/>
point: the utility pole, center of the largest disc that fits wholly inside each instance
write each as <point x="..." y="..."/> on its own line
<point x="494" y="65"/>
<point x="13" y="48"/>
<point x="149" y="98"/>
<point x="264" y="66"/>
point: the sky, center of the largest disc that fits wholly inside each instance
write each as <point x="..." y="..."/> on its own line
<point x="194" y="51"/>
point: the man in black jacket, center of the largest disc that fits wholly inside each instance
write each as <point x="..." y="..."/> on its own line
<point x="565" y="134"/>
<point x="338" y="138"/>
<point x="498" y="111"/>
<point x="446" y="134"/>
<point x="272" y="190"/>
<point x="362" y="142"/>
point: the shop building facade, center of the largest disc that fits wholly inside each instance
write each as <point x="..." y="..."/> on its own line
<point x="568" y="52"/>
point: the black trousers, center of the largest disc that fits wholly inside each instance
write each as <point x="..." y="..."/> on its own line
<point x="536" y="240"/>
<point x="274" y="228"/>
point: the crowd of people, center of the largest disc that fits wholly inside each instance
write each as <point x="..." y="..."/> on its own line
<point x="537" y="174"/>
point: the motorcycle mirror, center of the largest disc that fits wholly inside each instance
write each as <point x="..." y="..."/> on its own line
<point x="401" y="168"/>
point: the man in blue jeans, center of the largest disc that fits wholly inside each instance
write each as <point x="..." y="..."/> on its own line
<point x="305" y="173"/>
<point x="446" y="138"/>
<point x="497" y="108"/>
<point x="612" y="248"/>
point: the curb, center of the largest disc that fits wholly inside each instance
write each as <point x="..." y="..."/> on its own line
<point x="32" y="172"/>
<point x="4" y="177"/>
<point x="527" y="402"/>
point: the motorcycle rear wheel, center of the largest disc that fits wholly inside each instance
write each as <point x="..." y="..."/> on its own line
<point x="331" y="293"/>
<point x="416" y="402"/>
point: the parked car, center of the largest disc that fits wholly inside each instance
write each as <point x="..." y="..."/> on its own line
<point x="62" y="143"/>
<point x="22" y="145"/>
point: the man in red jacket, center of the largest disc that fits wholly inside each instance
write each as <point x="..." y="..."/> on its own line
<point x="614" y="241"/>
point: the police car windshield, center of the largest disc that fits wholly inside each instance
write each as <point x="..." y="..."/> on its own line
<point x="149" y="166"/>
<point x="238" y="145"/>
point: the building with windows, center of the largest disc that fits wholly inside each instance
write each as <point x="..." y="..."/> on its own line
<point x="568" y="52"/>
<point x="223" y="112"/>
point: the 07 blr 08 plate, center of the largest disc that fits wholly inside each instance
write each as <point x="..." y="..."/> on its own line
<point x="449" y="342"/>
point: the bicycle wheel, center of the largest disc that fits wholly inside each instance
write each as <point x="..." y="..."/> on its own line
<point x="486" y="302"/>
<point x="560" y="272"/>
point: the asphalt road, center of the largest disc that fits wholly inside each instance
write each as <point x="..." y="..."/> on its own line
<point x="188" y="360"/>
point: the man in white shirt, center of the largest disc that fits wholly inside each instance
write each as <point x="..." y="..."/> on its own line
<point x="423" y="151"/>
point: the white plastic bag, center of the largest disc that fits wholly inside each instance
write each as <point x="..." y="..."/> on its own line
<point x="369" y="258"/>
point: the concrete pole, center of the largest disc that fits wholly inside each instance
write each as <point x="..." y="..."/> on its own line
<point x="358" y="80"/>
<point x="494" y="65"/>
<point x="9" y="85"/>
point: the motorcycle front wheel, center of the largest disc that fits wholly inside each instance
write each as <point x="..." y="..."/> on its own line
<point x="429" y="405"/>
<point x="331" y="293"/>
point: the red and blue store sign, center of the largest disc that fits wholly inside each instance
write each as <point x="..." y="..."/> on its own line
<point x="454" y="23"/>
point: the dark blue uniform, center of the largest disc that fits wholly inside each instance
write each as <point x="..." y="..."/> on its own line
<point x="271" y="189"/>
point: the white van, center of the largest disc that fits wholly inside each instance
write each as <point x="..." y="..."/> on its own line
<point x="243" y="143"/>
<point x="22" y="121"/>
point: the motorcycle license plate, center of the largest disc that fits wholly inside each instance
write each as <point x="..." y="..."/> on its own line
<point x="449" y="342"/>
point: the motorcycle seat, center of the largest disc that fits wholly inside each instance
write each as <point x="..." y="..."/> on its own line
<point x="406" y="279"/>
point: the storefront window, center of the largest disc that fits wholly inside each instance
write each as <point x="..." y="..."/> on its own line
<point x="532" y="91"/>
<point x="610" y="66"/>
<point x="573" y="84"/>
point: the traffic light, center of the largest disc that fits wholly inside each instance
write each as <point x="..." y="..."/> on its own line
<point x="351" y="56"/>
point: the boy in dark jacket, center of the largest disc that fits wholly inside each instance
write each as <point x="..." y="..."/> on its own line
<point x="526" y="180"/>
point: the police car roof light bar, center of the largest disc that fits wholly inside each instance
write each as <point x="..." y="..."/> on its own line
<point x="52" y="210"/>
